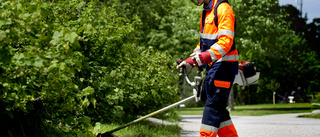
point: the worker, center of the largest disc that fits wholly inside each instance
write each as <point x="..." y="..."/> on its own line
<point x="217" y="53"/>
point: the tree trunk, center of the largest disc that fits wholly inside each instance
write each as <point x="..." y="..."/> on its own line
<point x="231" y="99"/>
<point x="240" y="96"/>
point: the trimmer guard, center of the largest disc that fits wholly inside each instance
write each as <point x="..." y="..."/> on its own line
<point x="243" y="81"/>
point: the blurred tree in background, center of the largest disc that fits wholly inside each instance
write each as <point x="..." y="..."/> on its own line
<point x="273" y="38"/>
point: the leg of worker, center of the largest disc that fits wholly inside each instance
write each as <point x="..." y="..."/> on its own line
<point x="217" y="85"/>
<point x="215" y="114"/>
<point x="226" y="128"/>
<point x="210" y="120"/>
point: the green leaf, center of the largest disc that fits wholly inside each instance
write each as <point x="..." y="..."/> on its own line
<point x="8" y="108"/>
<point x="1" y="23"/>
<point x="3" y="34"/>
<point x="33" y="7"/>
<point x="19" y="6"/>
<point x="85" y="119"/>
<point x="38" y="62"/>
<point x="56" y="37"/>
<point x="93" y="101"/>
<point x="86" y="102"/>
<point x="62" y="65"/>
<point x="89" y="29"/>
<point x="73" y="36"/>
<point x="6" y="85"/>
<point x="57" y="34"/>
<point x="87" y="91"/>
<point x="67" y="36"/>
<point x="97" y="128"/>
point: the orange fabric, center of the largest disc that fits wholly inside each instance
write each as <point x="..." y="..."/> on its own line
<point x="225" y="42"/>
<point x="226" y="22"/>
<point x="234" y="52"/>
<point x="222" y="84"/>
<point x="216" y="53"/>
<point x="206" y="133"/>
<point x="228" y="131"/>
<point x="225" y="17"/>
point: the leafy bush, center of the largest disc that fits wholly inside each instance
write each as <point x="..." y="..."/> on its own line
<point x="317" y="98"/>
<point x="68" y="64"/>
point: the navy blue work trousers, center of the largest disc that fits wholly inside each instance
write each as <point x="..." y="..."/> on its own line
<point x="218" y="82"/>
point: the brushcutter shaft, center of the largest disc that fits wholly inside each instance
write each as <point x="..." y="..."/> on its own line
<point x="197" y="81"/>
<point x="149" y="115"/>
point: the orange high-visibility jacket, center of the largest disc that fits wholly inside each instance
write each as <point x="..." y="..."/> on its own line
<point x="218" y="41"/>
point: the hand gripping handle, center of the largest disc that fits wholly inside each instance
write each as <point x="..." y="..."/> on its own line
<point x="183" y="67"/>
<point x="196" y="84"/>
<point x="185" y="73"/>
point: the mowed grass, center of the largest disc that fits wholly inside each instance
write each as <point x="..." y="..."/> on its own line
<point x="256" y="110"/>
<point x="142" y="129"/>
<point x="317" y="116"/>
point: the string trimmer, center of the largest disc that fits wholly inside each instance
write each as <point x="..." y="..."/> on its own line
<point x="196" y="85"/>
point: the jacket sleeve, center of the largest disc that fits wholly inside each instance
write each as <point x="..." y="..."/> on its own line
<point x="226" y="23"/>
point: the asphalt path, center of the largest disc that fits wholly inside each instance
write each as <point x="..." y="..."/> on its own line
<point x="280" y="125"/>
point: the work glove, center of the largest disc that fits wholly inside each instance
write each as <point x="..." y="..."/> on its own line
<point x="188" y="64"/>
<point x="201" y="58"/>
<point x="195" y="60"/>
<point x="196" y="57"/>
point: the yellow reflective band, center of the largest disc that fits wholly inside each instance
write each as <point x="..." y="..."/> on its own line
<point x="229" y="58"/>
<point x="219" y="48"/>
<point x="213" y="57"/>
<point x="209" y="128"/>
<point x="225" y="123"/>
<point x="208" y="36"/>
<point x="225" y="32"/>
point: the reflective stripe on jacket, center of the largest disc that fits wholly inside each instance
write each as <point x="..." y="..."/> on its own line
<point x="218" y="40"/>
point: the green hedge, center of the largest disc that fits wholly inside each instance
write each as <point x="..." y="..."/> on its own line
<point x="69" y="64"/>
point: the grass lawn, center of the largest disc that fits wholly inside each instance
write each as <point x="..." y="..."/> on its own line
<point x="142" y="129"/>
<point x="256" y="110"/>
<point x="317" y="116"/>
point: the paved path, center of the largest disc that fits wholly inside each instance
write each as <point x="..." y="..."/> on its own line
<point x="280" y="125"/>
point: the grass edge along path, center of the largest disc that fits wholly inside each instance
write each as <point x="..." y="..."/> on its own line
<point x="316" y="116"/>
<point x="256" y="110"/>
<point x="142" y="129"/>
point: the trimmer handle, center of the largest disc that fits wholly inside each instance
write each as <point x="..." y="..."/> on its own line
<point x="179" y="61"/>
<point x="196" y="84"/>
